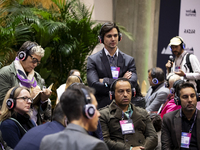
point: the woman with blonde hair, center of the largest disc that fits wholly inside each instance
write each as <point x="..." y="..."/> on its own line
<point x="70" y="80"/>
<point x="14" y="118"/>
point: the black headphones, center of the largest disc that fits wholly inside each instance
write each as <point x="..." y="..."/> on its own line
<point x="167" y="81"/>
<point x="112" y="90"/>
<point x="78" y="77"/>
<point x="24" y="54"/>
<point x="101" y="38"/>
<point x="88" y="109"/>
<point x="177" y="99"/>
<point x="11" y="102"/>
<point x="153" y="75"/>
<point x="183" y="45"/>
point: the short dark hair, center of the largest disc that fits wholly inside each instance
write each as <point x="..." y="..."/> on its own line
<point x="58" y="114"/>
<point x="73" y="101"/>
<point x="157" y="73"/>
<point x="107" y="27"/>
<point x="113" y="86"/>
<point x="183" y="86"/>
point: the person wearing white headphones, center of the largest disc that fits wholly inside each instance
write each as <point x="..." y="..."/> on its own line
<point x="179" y="64"/>
<point x="21" y="73"/>
<point x="157" y="93"/>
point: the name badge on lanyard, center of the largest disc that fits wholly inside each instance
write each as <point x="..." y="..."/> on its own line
<point x="127" y="126"/>
<point x="115" y="72"/>
<point x="177" y="68"/>
<point x="185" y="139"/>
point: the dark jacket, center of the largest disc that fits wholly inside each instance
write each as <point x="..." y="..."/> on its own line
<point x="32" y="139"/>
<point x="12" y="131"/>
<point x="145" y="134"/>
<point x="98" y="67"/>
<point x="171" y="130"/>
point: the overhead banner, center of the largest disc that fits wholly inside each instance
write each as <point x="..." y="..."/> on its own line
<point x="178" y="18"/>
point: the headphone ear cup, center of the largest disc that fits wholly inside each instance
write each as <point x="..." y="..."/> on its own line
<point x="89" y="111"/>
<point x="183" y="45"/>
<point x="155" y="81"/>
<point x="120" y="37"/>
<point x="10" y="103"/>
<point x="197" y="95"/>
<point x="22" y="55"/>
<point x="177" y="100"/>
<point x="112" y="95"/>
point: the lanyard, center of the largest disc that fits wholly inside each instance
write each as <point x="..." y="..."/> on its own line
<point x="193" y="121"/>
<point x="181" y="59"/>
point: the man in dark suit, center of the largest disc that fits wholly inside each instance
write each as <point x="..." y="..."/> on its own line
<point x="180" y="129"/>
<point x="79" y="105"/>
<point x="109" y="64"/>
<point x="32" y="139"/>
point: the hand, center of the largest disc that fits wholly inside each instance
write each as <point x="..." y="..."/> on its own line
<point x="46" y="93"/>
<point x="138" y="148"/>
<point x="127" y="75"/>
<point x="35" y="91"/>
<point x="180" y="73"/>
<point x="101" y="80"/>
<point x="169" y="64"/>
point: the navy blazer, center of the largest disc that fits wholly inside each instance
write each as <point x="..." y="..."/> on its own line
<point x="98" y="67"/>
<point x="74" y="137"/>
<point x="32" y="139"/>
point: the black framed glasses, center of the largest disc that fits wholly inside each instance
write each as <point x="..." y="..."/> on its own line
<point x="35" y="60"/>
<point x="27" y="99"/>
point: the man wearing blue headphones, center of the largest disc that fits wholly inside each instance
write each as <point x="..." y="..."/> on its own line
<point x="157" y="93"/>
<point x="185" y="65"/>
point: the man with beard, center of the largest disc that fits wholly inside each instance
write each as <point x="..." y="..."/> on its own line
<point x="125" y="126"/>
<point x="179" y="66"/>
<point x="180" y="127"/>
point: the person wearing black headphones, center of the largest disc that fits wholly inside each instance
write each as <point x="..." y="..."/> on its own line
<point x="125" y="126"/>
<point x="180" y="128"/>
<point x="157" y="93"/>
<point x="14" y="118"/>
<point x="21" y="73"/>
<point x="179" y="65"/>
<point x="80" y="107"/>
<point x="109" y="64"/>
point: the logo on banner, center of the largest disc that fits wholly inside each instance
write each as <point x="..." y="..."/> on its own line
<point x="190" y="13"/>
<point x="189" y="31"/>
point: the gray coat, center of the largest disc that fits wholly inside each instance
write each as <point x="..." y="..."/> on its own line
<point x="159" y="96"/>
<point x="74" y="137"/>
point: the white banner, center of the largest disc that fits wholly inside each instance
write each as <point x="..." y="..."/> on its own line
<point x="189" y="26"/>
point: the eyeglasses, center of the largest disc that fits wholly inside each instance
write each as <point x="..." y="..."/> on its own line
<point x="27" y="99"/>
<point x="35" y="60"/>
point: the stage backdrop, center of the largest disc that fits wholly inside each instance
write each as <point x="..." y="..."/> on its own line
<point x="182" y="18"/>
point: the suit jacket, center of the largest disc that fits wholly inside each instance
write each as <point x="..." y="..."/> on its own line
<point x="159" y="96"/>
<point x="171" y="130"/>
<point x="32" y="139"/>
<point x="98" y="67"/>
<point x="74" y="137"/>
<point x="145" y="134"/>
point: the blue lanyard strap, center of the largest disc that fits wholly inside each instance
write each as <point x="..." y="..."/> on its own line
<point x="193" y="121"/>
